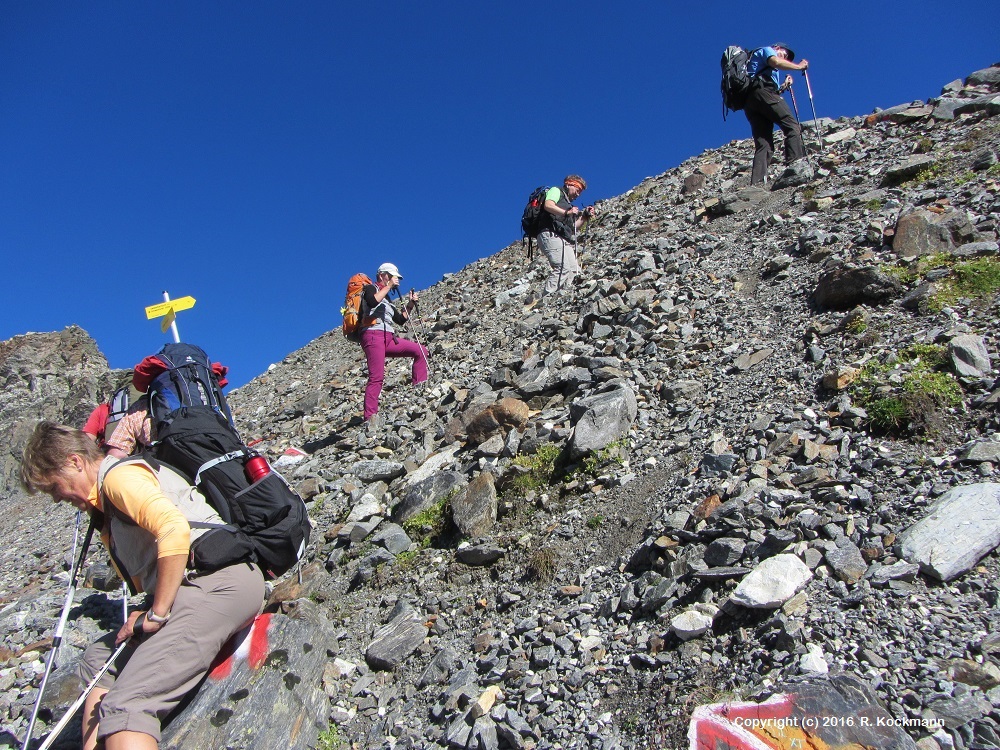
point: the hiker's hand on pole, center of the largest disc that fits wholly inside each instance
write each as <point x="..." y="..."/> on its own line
<point x="130" y="629"/>
<point x="803" y="65"/>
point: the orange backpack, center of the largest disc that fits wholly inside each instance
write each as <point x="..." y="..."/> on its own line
<point x="353" y="303"/>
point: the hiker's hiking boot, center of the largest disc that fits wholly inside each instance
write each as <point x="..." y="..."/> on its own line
<point x="370" y="430"/>
<point x="374" y="425"/>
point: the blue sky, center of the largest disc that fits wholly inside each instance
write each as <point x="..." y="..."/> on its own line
<point x="254" y="155"/>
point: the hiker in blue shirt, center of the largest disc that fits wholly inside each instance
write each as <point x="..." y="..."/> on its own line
<point x="765" y="107"/>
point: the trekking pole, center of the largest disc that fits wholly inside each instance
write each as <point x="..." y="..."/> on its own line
<point x="809" y="90"/>
<point x="71" y="711"/>
<point x="427" y="364"/>
<point x="562" y="266"/>
<point x="420" y="320"/>
<point x="63" y="617"/>
<point x="795" y="106"/>
<point x="124" y="603"/>
<point x="576" y="247"/>
<point x="582" y="247"/>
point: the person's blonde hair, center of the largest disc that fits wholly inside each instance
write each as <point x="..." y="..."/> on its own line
<point x="48" y="450"/>
<point x="577" y="179"/>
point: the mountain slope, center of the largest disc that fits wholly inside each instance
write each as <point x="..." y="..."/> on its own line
<point x="728" y="314"/>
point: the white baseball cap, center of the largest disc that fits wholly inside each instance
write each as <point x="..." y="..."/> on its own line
<point x="390" y="268"/>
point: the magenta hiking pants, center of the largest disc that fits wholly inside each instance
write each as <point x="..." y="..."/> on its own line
<point x="378" y="345"/>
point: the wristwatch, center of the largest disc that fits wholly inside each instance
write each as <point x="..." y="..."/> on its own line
<point x="153" y="617"/>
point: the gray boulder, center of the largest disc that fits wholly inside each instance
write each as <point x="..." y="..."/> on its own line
<point x="393" y="538"/>
<point x="980" y="104"/>
<point x="439" y="668"/>
<point x="981" y="451"/>
<point x="396" y="640"/>
<point x="969" y="356"/>
<point x="724" y="551"/>
<point x="601" y="419"/>
<point x="479" y="555"/>
<point x="797" y="173"/>
<point x="426" y="493"/>
<point x="377" y="470"/>
<point x="682" y="390"/>
<point x="908" y="169"/>
<point x="475" y="510"/>
<point x="963" y="526"/>
<point x="369" y="565"/>
<point x="985" y="77"/>
<point x="979" y="249"/>
<point x="843" y="288"/>
<point x="919" y="232"/>
<point x="846" y="561"/>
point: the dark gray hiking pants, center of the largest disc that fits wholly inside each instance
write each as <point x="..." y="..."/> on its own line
<point x="764" y="109"/>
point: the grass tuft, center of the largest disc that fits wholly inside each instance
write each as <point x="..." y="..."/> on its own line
<point x="541" y="469"/>
<point x="431" y="524"/>
<point x="911" y="396"/>
<point x="542" y="564"/>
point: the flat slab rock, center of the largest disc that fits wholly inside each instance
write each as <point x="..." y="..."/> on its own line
<point x="962" y="526"/>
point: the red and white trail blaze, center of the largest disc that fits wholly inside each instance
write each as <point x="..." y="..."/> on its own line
<point x="251" y="644"/>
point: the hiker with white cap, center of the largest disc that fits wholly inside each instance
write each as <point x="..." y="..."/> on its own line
<point x="379" y="338"/>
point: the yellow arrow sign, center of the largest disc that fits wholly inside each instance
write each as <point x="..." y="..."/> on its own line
<point x="181" y="303"/>
<point x="168" y="320"/>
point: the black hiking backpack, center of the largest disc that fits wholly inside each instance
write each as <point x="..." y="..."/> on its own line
<point x="531" y="218"/>
<point x="735" y="79"/>
<point x="195" y="435"/>
<point x="269" y="521"/>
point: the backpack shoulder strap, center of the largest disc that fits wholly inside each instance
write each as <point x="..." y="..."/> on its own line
<point x="109" y="463"/>
<point x="112" y="512"/>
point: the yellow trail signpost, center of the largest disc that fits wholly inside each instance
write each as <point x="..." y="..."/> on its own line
<point x="168" y="310"/>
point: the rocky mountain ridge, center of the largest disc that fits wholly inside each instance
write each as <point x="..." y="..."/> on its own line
<point x="708" y="471"/>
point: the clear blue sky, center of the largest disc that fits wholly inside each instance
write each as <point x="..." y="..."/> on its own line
<point x="256" y="154"/>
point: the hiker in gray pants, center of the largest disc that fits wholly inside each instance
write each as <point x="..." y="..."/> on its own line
<point x="557" y="238"/>
<point x="190" y="614"/>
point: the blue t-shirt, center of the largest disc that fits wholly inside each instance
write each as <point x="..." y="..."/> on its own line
<point x="757" y="64"/>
